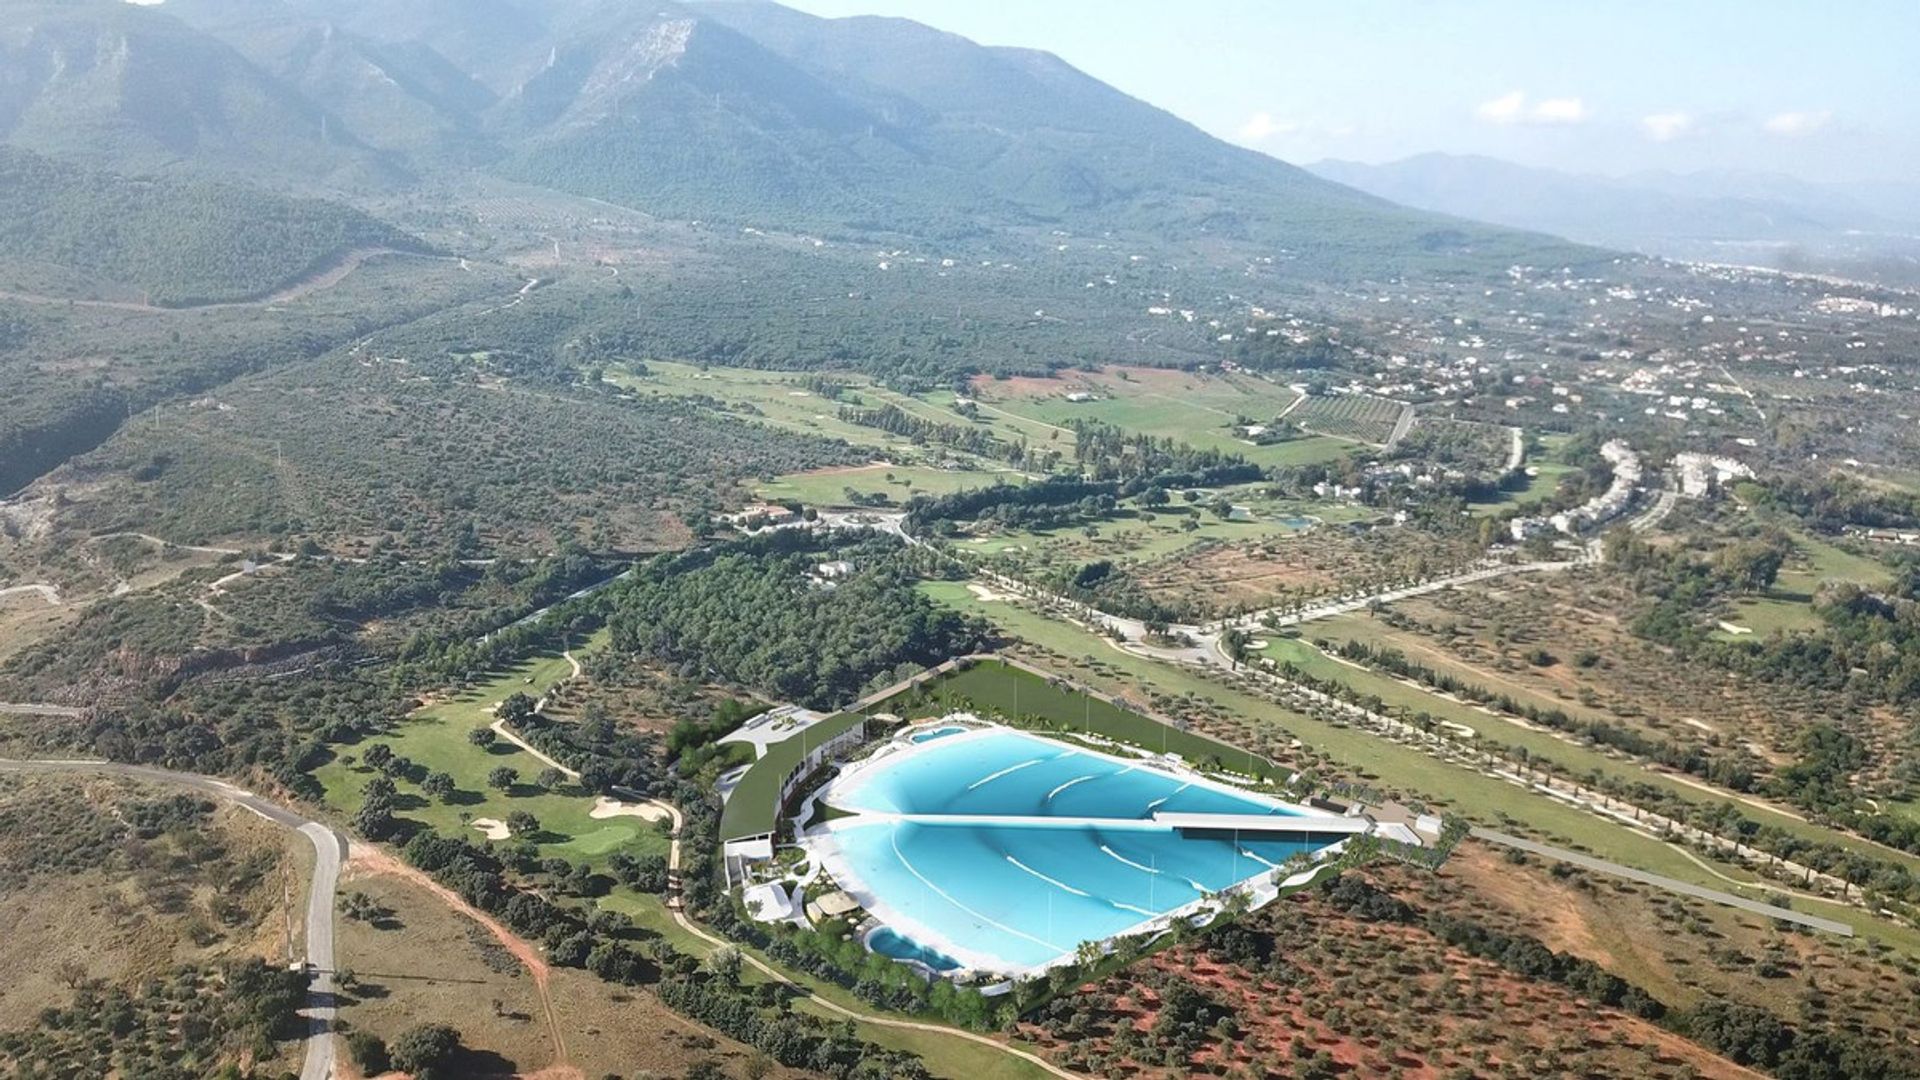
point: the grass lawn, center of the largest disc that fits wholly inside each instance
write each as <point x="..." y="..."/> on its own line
<point x="828" y="487"/>
<point x="1197" y="408"/>
<point x="777" y="398"/>
<point x="1130" y="537"/>
<point x="1829" y="562"/>
<point x="436" y="738"/>
<point x="993" y="687"/>
<point x="1481" y="797"/>
<point x="1543" y="483"/>
<point x="1765" y="615"/>
<point x="751" y="809"/>
<point x="1194" y="424"/>
<point x="1788" y="606"/>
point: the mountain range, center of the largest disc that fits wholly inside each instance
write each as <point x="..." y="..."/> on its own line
<point x="1714" y="216"/>
<point x="733" y="111"/>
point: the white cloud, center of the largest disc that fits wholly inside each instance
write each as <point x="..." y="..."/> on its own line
<point x="1262" y="126"/>
<point x="1798" y="123"/>
<point x="1565" y="110"/>
<point x="1505" y="109"/>
<point x="1666" y="126"/>
<point x="1514" y="108"/>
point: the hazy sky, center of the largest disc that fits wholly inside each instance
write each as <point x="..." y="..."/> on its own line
<point x="1822" y="90"/>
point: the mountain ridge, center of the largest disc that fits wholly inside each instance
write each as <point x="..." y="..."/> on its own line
<point x="747" y="113"/>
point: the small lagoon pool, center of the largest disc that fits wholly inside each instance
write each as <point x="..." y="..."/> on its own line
<point x="889" y="943"/>
<point x="937" y="733"/>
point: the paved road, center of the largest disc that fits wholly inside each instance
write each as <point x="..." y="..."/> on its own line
<point x="1673" y="885"/>
<point x="329" y="851"/>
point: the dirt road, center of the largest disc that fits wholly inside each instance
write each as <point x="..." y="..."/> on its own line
<point x="324" y="278"/>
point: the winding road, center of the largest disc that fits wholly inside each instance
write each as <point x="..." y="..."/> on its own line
<point x="329" y="851"/>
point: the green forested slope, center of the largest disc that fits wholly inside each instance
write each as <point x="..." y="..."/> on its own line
<point x="172" y="241"/>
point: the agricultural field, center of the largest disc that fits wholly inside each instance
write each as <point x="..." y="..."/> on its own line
<point x="1682" y="951"/>
<point x="879" y="485"/>
<point x="1269" y="571"/>
<point x="1466" y="445"/>
<point x="1204" y="410"/>
<point x="436" y="739"/>
<point x="779" y="399"/>
<point x="1496" y="635"/>
<point x="1140" y="535"/>
<point x="1355" y="417"/>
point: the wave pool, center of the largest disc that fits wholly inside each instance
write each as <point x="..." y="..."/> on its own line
<point x="1006" y="850"/>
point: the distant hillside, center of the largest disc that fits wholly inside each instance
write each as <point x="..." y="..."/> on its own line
<point x="67" y="230"/>
<point x="131" y="88"/>
<point x="755" y="114"/>
<point x="753" y="111"/>
<point x="1731" y="217"/>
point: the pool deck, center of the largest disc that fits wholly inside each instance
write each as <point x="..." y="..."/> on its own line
<point x="1160" y="821"/>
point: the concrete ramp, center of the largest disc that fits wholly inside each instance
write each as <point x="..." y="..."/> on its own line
<point x="1263" y="823"/>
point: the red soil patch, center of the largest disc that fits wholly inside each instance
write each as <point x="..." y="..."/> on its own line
<point x="1364" y="998"/>
<point x="365" y="858"/>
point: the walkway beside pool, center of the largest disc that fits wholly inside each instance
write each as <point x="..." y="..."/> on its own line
<point x="1247" y="825"/>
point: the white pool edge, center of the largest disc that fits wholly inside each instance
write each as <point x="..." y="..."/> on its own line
<point x="820" y="843"/>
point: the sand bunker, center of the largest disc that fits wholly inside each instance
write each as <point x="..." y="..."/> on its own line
<point x="981" y="592"/>
<point x="492" y="829"/>
<point x="604" y="807"/>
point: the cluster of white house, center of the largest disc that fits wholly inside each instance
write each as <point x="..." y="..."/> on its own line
<point x="1598" y="510"/>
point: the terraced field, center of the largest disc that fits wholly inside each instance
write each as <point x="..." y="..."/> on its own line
<point x="1358" y="417"/>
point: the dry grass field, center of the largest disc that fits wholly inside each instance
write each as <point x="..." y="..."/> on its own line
<point x="422" y="961"/>
<point x="1302" y="566"/>
<point x="1488" y="634"/>
<point x="1687" y="952"/>
<point x="84" y="900"/>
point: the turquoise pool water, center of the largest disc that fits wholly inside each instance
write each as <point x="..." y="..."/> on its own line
<point x="888" y="943"/>
<point x="937" y="733"/>
<point x="1018" y="895"/>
